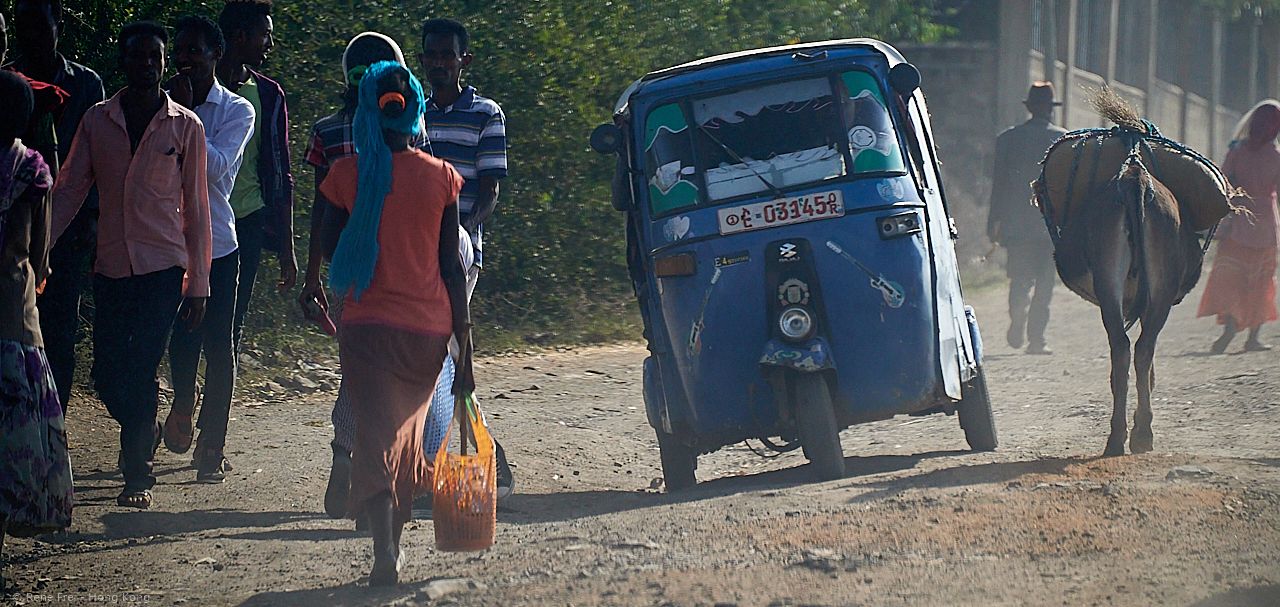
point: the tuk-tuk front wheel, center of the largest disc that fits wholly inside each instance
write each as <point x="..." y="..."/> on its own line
<point x="819" y="434"/>
<point x="975" y="415"/>
<point x="678" y="462"/>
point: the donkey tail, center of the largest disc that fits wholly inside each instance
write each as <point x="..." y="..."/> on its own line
<point x="1113" y="107"/>
<point x="1141" y="193"/>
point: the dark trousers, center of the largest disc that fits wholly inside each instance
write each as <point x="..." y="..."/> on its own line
<point x="60" y="303"/>
<point x="249" y="236"/>
<point x="130" y="329"/>
<point x="1030" y="266"/>
<point x="214" y="337"/>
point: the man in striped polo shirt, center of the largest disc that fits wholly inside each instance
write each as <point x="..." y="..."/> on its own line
<point x="469" y="132"/>
<point x="465" y="129"/>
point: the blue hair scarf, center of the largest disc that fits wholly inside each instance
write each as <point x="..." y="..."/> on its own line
<point x="357" y="252"/>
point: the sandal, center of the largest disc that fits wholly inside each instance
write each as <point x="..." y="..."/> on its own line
<point x="140" y="499"/>
<point x="1256" y="346"/>
<point x="178" y="432"/>
<point x="1220" y="346"/>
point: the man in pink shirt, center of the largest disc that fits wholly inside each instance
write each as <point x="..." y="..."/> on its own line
<point x="147" y="156"/>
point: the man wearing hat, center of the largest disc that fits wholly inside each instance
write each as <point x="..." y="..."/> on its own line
<point x="1015" y="223"/>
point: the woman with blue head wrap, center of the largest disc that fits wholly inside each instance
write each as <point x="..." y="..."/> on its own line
<point x="392" y="235"/>
<point x="381" y="109"/>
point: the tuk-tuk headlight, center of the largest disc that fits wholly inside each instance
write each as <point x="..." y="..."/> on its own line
<point x="795" y="323"/>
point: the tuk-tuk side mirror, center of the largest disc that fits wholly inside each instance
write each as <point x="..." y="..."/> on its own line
<point x="904" y="78"/>
<point x="606" y="139"/>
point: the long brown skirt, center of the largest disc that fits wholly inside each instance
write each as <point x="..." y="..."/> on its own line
<point x="390" y="375"/>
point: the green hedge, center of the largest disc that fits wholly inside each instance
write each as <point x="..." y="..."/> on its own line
<point x="554" y="250"/>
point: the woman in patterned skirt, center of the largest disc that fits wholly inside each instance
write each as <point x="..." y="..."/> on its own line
<point x="35" y="471"/>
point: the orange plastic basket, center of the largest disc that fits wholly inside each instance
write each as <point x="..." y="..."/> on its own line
<point x="465" y="497"/>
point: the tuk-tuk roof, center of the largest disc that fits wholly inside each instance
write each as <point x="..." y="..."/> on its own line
<point x="890" y="53"/>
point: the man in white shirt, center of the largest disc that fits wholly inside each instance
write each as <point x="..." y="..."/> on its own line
<point x="228" y="124"/>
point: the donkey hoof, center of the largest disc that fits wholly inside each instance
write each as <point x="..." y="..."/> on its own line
<point x="1140" y="444"/>
<point x="1115" y="448"/>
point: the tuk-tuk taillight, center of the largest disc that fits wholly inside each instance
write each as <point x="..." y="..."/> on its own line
<point x="900" y="224"/>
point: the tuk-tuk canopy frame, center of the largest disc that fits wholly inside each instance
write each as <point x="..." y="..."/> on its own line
<point x="891" y="55"/>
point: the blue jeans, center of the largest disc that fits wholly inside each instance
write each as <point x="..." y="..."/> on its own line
<point x="249" y="236"/>
<point x="214" y="337"/>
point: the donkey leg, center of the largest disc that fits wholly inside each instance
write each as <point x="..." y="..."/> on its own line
<point x="1143" y="354"/>
<point x="1111" y="259"/>
<point x="1113" y="320"/>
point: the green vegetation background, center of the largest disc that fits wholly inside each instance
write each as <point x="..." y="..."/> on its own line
<point x="554" y="264"/>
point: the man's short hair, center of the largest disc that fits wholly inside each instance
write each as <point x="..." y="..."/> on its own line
<point x="55" y="6"/>
<point x="207" y="28"/>
<point x="241" y="15"/>
<point x="447" y="27"/>
<point x="140" y="28"/>
<point x="18" y="102"/>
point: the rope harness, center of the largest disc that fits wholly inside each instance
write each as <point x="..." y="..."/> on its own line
<point x="1137" y="142"/>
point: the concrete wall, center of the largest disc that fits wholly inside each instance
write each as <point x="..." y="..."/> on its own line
<point x="1167" y="113"/>
<point x="975" y="91"/>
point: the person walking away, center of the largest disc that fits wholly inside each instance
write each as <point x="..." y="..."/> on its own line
<point x="1014" y="223"/>
<point x="146" y="154"/>
<point x="332" y="139"/>
<point x="228" y="122"/>
<point x="392" y="235"/>
<point x="469" y="132"/>
<point x="35" y="469"/>
<point x="263" y="194"/>
<point x="1241" y="290"/>
<point x="38" y="24"/>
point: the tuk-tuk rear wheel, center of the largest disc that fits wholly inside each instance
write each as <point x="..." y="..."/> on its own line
<point x="975" y="415"/>
<point x="819" y="434"/>
<point x="678" y="462"/>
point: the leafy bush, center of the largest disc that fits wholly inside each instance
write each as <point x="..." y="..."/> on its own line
<point x="554" y="251"/>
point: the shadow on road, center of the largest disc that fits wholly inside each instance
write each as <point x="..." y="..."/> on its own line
<point x="960" y="476"/>
<point x="147" y="523"/>
<point x="1260" y="596"/>
<point x="298" y="535"/>
<point x="353" y="594"/>
<point x="528" y="509"/>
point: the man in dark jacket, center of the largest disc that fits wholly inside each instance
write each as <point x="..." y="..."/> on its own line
<point x="263" y="194"/>
<point x="38" y="24"/>
<point x="1016" y="224"/>
<point x="262" y="197"/>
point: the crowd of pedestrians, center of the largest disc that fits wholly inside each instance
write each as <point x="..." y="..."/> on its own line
<point x="171" y="189"/>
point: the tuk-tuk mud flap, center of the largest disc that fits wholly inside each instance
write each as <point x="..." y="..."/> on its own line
<point x="812" y="355"/>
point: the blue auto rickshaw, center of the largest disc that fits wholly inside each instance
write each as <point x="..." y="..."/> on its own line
<point x="792" y="254"/>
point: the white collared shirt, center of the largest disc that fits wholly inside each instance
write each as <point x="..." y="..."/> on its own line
<point x="228" y="125"/>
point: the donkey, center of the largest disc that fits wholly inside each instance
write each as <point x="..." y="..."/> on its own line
<point x="1129" y="250"/>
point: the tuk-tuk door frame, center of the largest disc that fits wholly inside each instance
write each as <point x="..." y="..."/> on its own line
<point x="964" y="356"/>
<point x="658" y="344"/>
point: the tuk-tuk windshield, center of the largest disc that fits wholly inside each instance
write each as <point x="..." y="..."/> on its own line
<point x="767" y="138"/>
<point x="785" y="134"/>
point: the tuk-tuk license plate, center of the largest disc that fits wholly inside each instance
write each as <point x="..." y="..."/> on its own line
<point x="785" y="211"/>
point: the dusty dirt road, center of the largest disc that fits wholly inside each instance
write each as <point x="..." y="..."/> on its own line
<point x="919" y="520"/>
